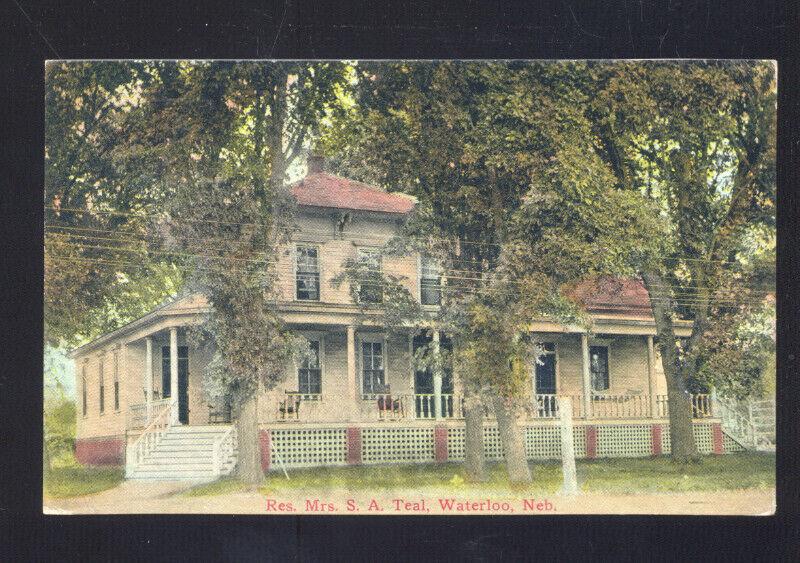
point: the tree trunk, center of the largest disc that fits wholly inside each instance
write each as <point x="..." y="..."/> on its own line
<point x="248" y="468"/>
<point x="474" y="457"/>
<point x="681" y="432"/>
<point x="510" y="422"/>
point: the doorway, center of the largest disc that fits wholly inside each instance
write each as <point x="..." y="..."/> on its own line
<point x="183" y="380"/>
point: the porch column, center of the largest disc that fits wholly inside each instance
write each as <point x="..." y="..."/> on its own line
<point x="173" y="373"/>
<point x="651" y="377"/>
<point x="437" y="378"/>
<point x="352" y="395"/>
<point x="587" y="377"/>
<point x="148" y="376"/>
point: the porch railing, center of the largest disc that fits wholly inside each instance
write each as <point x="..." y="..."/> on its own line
<point x="620" y="406"/>
<point x="138" y="413"/>
<point x="147" y="441"/>
<point x="223" y="450"/>
<point x="425" y="406"/>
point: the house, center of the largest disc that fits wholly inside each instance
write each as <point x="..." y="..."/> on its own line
<point x="141" y="402"/>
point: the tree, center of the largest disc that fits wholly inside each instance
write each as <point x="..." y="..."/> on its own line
<point x="698" y="140"/>
<point x="225" y="136"/>
<point x="504" y="168"/>
<point x="98" y="273"/>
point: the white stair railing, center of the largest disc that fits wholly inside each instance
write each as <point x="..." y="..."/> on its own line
<point x="223" y="449"/>
<point x="739" y="426"/>
<point x="147" y="441"/>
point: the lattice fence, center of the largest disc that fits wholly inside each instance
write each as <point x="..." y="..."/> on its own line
<point x="730" y="444"/>
<point x="624" y="440"/>
<point x="541" y="442"/>
<point x="703" y="438"/>
<point x="390" y="445"/>
<point x="492" y="444"/>
<point x="328" y="446"/>
<point x="456" y="438"/>
<point x="310" y="447"/>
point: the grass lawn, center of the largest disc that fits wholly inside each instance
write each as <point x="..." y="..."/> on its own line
<point x="620" y="476"/>
<point x="735" y="471"/>
<point x="71" y="480"/>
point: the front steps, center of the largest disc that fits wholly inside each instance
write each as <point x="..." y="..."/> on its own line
<point x="185" y="453"/>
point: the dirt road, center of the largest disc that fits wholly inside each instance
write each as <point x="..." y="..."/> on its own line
<point x="136" y="497"/>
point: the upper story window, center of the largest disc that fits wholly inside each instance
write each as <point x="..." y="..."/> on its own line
<point x="116" y="381"/>
<point x="309" y="374"/>
<point x="83" y="389"/>
<point x="102" y="388"/>
<point x="598" y="363"/>
<point x="430" y="282"/>
<point x="307" y="273"/>
<point x="370" y="288"/>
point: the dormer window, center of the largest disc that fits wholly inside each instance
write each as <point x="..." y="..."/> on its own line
<point x="430" y="282"/>
<point x="307" y="273"/>
<point x="370" y="288"/>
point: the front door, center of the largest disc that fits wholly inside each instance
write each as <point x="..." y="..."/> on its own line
<point x="423" y="383"/>
<point x="546" y="372"/>
<point x="183" y="380"/>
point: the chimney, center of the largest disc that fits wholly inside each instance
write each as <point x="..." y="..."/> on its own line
<point x="316" y="163"/>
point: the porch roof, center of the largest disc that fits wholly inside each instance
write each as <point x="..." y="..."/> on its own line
<point x="189" y="304"/>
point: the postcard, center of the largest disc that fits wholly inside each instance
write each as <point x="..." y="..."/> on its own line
<point x="410" y="287"/>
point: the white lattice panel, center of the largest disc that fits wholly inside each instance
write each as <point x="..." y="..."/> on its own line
<point x="543" y="442"/>
<point x="309" y="447"/>
<point x="624" y="440"/>
<point x="456" y="438"/>
<point x="579" y="440"/>
<point x="730" y="445"/>
<point x="492" y="444"/>
<point x="388" y="445"/>
<point x="704" y="438"/>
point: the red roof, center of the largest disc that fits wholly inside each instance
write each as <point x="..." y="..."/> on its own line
<point x="622" y="296"/>
<point x="322" y="189"/>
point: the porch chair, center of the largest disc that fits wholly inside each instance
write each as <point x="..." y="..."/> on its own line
<point x="219" y="415"/>
<point x="290" y="405"/>
<point x="386" y="403"/>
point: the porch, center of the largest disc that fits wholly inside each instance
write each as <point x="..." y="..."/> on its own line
<point x="360" y="375"/>
<point x="385" y="407"/>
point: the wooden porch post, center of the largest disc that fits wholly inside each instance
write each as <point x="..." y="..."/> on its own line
<point x="148" y="376"/>
<point x="352" y="395"/>
<point x="173" y="373"/>
<point x="437" y="378"/>
<point x="651" y="376"/>
<point x="587" y="377"/>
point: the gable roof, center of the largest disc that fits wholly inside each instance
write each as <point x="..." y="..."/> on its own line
<point x="616" y="296"/>
<point x="321" y="189"/>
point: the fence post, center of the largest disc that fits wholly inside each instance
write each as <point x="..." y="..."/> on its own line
<point x="567" y="447"/>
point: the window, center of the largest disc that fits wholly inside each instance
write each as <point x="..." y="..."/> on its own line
<point x="307" y="273"/>
<point x="598" y="362"/>
<point x="116" y="381"/>
<point x="83" y="388"/>
<point x="372" y="366"/>
<point x="102" y="388"/>
<point x="310" y="373"/>
<point x="546" y="370"/>
<point x="430" y="282"/>
<point x="370" y="290"/>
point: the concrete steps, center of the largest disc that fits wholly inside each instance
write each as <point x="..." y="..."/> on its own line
<point x="185" y="453"/>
